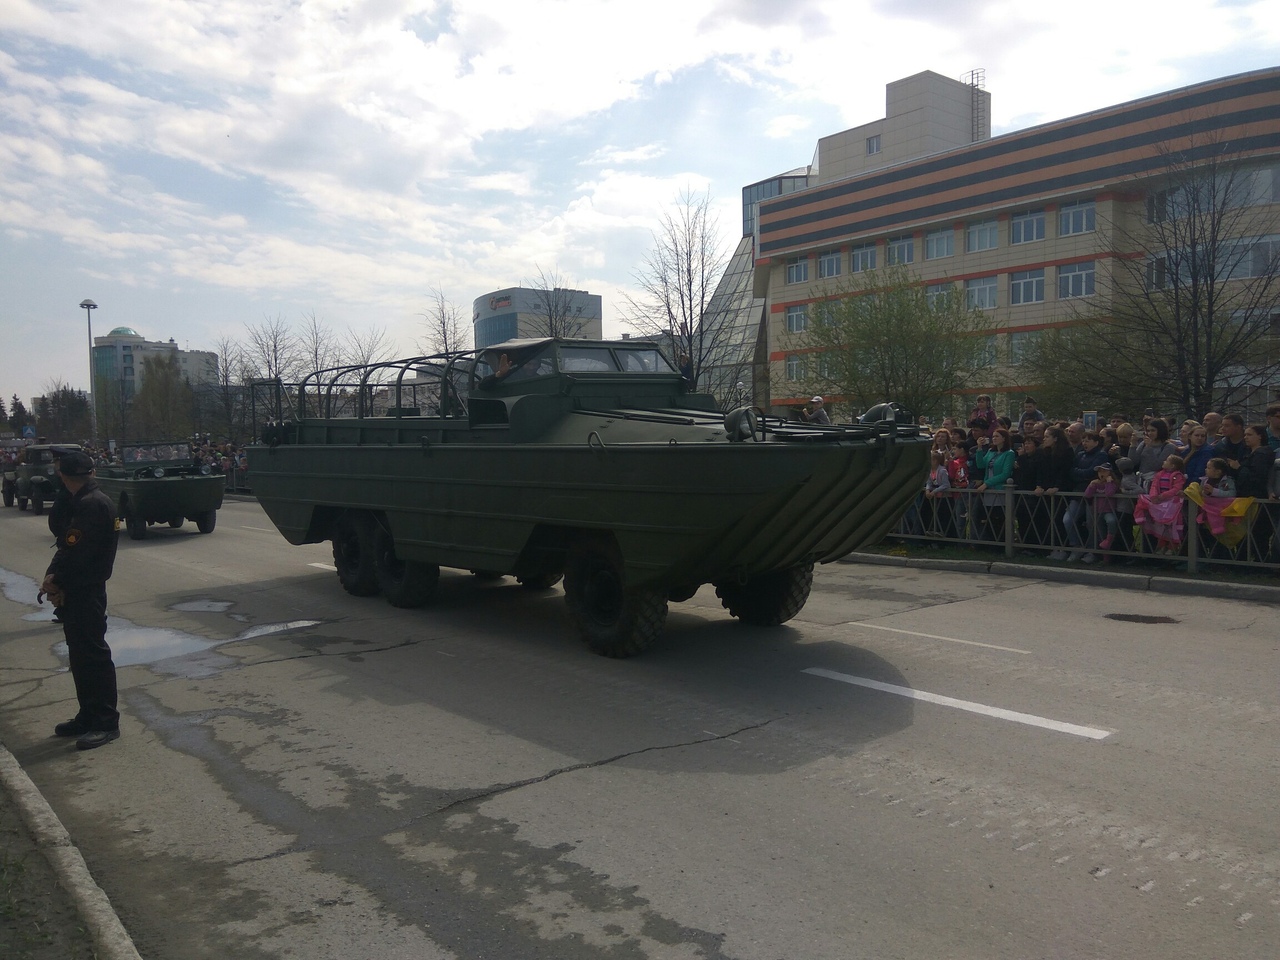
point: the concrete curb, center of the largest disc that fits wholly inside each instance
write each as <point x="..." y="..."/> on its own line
<point x="109" y="936"/>
<point x="1149" y="583"/>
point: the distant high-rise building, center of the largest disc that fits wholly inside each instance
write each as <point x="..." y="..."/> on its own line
<point x="522" y="312"/>
<point x="118" y="358"/>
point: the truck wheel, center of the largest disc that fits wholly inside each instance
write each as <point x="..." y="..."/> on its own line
<point x="205" y="522"/>
<point x="614" y="621"/>
<point x="405" y="583"/>
<point x="768" y="599"/>
<point x="353" y="554"/>
<point x="37" y="504"/>
<point x="176" y="522"/>
<point x="136" y="526"/>
<point x="8" y="497"/>
<point x="22" y="503"/>
<point x="539" y="581"/>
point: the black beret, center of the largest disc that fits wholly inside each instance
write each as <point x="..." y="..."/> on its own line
<point x="75" y="464"/>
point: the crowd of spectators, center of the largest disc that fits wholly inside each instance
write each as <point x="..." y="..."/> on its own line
<point x="1082" y="494"/>
<point x="229" y="459"/>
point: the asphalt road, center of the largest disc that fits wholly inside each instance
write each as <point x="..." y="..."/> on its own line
<point x="921" y="765"/>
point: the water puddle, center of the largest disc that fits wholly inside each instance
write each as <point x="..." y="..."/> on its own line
<point x="132" y="644"/>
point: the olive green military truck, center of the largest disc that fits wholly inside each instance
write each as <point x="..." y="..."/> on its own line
<point x="160" y="482"/>
<point x="36" y="479"/>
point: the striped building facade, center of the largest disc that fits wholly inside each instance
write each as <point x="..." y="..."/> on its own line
<point x="1024" y="223"/>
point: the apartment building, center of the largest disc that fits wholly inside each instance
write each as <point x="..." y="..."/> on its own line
<point x="1029" y="224"/>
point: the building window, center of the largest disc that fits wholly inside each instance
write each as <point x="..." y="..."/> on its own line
<point x="829" y="264"/>
<point x="982" y="236"/>
<point x="1075" y="280"/>
<point x="935" y="293"/>
<point x="900" y="250"/>
<point x="1021" y="344"/>
<point x="939" y="243"/>
<point x="862" y="258"/>
<point x="989" y="356"/>
<point x="980" y="293"/>
<point x="1158" y="206"/>
<point x="1156" y="273"/>
<point x="1026" y="227"/>
<point x="797" y="319"/>
<point x="1078" y="217"/>
<point x="797" y="270"/>
<point x="1026" y="286"/>
<point x="796" y="369"/>
<point x="873" y="144"/>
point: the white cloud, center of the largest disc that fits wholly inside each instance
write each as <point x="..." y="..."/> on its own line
<point x="786" y="126"/>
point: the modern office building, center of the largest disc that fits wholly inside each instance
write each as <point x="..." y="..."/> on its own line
<point x="118" y="368"/>
<point x="522" y="312"/>
<point x="1026" y="224"/>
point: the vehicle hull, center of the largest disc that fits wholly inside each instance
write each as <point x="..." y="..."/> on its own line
<point x="161" y="499"/>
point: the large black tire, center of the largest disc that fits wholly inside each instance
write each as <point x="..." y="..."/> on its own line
<point x="136" y="526"/>
<point x="353" y="554"/>
<point x="176" y="522"/>
<point x="539" y="581"/>
<point x="614" y="621"/>
<point x="37" y="504"/>
<point x="8" y="496"/>
<point x="405" y="583"/>
<point x="768" y="599"/>
<point x="204" y="523"/>
<point x="22" y="503"/>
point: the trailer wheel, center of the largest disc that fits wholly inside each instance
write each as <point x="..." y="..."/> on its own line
<point x="614" y="621"/>
<point x="405" y="583"/>
<point x="205" y="522"/>
<point x="353" y="554"/>
<point x="768" y="599"/>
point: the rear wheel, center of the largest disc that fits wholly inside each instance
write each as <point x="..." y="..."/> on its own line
<point x="405" y="583"/>
<point x="22" y="503"/>
<point x="175" y="522"/>
<point x="8" y="496"/>
<point x="768" y="599"/>
<point x="205" y="522"/>
<point x="353" y="554"/>
<point x="614" y="621"/>
<point x="37" y="504"/>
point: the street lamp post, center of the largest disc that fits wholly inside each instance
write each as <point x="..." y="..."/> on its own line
<point x="89" y="306"/>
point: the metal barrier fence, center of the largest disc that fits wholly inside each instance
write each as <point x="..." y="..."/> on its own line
<point x="237" y="481"/>
<point x="1068" y="526"/>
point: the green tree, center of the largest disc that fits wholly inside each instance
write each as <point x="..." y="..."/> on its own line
<point x="888" y="338"/>
<point x="1185" y="326"/>
<point x="18" y="415"/>
<point x="62" y="413"/>
<point x="162" y="407"/>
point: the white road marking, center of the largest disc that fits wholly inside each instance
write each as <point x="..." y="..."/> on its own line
<point x="323" y="566"/>
<point x="263" y="529"/>
<point x="1093" y="733"/>
<point x="934" y="636"/>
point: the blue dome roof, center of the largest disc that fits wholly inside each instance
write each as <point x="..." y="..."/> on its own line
<point x="124" y="332"/>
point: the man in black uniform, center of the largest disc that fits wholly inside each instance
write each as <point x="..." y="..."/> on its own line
<point x="76" y="583"/>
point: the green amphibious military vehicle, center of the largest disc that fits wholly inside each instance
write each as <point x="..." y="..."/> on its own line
<point x="35" y="477"/>
<point x="589" y="460"/>
<point x="160" y="482"/>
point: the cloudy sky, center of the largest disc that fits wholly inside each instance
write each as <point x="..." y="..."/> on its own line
<point x="198" y="165"/>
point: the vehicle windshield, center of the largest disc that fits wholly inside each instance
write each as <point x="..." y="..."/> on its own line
<point x="154" y="452"/>
<point x="643" y="360"/>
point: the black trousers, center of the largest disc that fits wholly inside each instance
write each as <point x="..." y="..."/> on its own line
<point x="84" y="624"/>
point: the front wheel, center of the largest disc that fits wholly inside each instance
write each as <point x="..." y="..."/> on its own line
<point x="136" y="526"/>
<point x="353" y="554"/>
<point x="22" y="503"/>
<point x="205" y="522"/>
<point x="613" y="620"/>
<point x="37" y="504"/>
<point x="405" y="583"/>
<point x="768" y="599"/>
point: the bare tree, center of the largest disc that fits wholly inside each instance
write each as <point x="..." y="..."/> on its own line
<point x="446" y="325"/>
<point x="368" y="346"/>
<point x="272" y="349"/>
<point x="318" y="346"/>
<point x="887" y="339"/>
<point x="1186" y="325"/>
<point x="558" y="307"/>
<point x="676" y="281"/>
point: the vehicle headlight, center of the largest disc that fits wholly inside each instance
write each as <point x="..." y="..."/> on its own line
<point x="205" y="470"/>
<point x="50" y="470"/>
<point x="158" y="472"/>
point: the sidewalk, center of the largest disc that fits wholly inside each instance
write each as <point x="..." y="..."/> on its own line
<point x="50" y="906"/>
